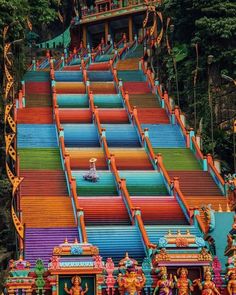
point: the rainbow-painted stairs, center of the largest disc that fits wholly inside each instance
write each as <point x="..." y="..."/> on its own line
<point x="46" y="207"/>
<point x="140" y="147"/>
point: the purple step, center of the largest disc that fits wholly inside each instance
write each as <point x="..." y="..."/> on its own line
<point x="39" y="242"/>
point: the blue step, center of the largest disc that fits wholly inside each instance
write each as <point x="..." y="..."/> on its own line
<point x="105" y="186"/>
<point x="131" y="76"/>
<point x="144" y="183"/>
<point x="81" y="135"/>
<point x="116" y="241"/>
<point x="72" y="100"/>
<point x="108" y="100"/>
<point x="100" y="76"/>
<point x="75" y="61"/>
<point x="36" y="135"/>
<point x="121" y="135"/>
<point x="165" y="135"/>
<point x="67" y="76"/>
<point x="104" y="57"/>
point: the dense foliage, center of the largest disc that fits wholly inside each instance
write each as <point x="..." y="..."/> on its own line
<point x="211" y="24"/>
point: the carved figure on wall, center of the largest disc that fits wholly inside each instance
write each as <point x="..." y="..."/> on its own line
<point x="207" y="286"/>
<point x="76" y="289"/>
<point x="182" y="283"/>
<point x="132" y="282"/>
<point x="231" y="286"/>
<point x="164" y="285"/>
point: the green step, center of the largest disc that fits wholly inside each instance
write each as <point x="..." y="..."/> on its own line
<point x="177" y="159"/>
<point x="40" y="158"/>
<point x="38" y="100"/>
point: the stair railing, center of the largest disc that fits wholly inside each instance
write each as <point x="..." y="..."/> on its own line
<point x="71" y="182"/>
<point x="121" y="184"/>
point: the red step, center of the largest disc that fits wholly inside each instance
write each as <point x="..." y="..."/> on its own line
<point x="152" y="116"/>
<point x="136" y="87"/>
<point x="160" y="210"/>
<point x="43" y="183"/>
<point x="104" y="210"/>
<point x="38" y="115"/>
<point x="196" y="183"/>
<point x="37" y="87"/>
<point x="99" y="67"/>
<point x="115" y="116"/>
<point x="71" y="68"/>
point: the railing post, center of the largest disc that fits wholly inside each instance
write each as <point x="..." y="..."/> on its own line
<point x="205" y="167"/>
<point x="191" y="134"/>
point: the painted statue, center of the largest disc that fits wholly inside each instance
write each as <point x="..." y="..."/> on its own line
<point x="231" y="286"/>
<point x="182" y="283"/>
<point x="132" y="282"/>
<point x="76" y="289"/>
<point x="164" y="285"/>
<point x="207" y="286"/>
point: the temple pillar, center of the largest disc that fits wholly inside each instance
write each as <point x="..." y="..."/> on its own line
<point x="130" y="29"/>
<point x="106" y="31"/>
<point x="84" y="35"/>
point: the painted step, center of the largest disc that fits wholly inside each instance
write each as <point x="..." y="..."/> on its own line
<point x="177" y="159"/>
<point x="38" y="100"/>
<point x="144" y="183"/>
<point x="72" y="68"/>
<point x="81" y="135"/>
<point x="165" y="135"/>
<point x="109" y="210"/>
<point x="72" y="101"/>
<point x="70" y="88"/>
<point x="137" y="87"/>
<point x="116" y="241"/>
<point x="190" y="180"/>
<point x="131" y="159"/>
<point x="37" y="88"/>
<point x="79" y="158"/>
<point x="100" y="66"/>
<point x="39" y="158"/>
<point x="36" y="135"/>
<point x="128" y="64"/>
<point x="99" y="76"/>
<point x="36" y="115"/>
<point x="115" y="116"/>
<point x="47" y="211"/>
<point x="40" y="242"/>
<point x="68" y="76"/>
<point x="131" y="76"/>
<point x="152" y="116"/>
<point x="36" y="76"/>
<point x="108" y="100"/>
<point x="160" y="210"/>
<point x="43" y="183"/>
<point x="103" y="88"/>
<point x="105" y="186"/>
<point x="121" y="135"/>
<point x="147" y="100"/>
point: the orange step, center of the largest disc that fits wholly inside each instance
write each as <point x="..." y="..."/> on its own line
<point x="47" y="211"/>
<point x="70" y="87"/>
<point x="152" y="116"/>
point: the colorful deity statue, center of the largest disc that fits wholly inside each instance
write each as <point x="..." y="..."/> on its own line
<point x="231" y="286"/>
<point x="76" y="289"/>
<point x="164" y="285"/>
<point x="207" y="286"/>
<point x="182" y="283"/>
<point x="132" y="282"/>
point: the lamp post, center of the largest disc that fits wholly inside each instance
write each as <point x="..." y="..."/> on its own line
<point x="209" y="62"/>
<point x="172" y="28"/>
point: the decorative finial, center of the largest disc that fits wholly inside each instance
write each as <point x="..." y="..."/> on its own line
<point x="220" y="208"/>
<point x="178" y="232"/>
<point x="228" y="208"/>
<point x="188" y="232"/>
<point x="169" y="232"/>
<point x="76" y="241"/>
<point x="65" y="241"/>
